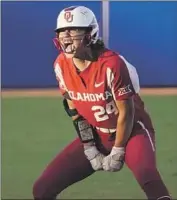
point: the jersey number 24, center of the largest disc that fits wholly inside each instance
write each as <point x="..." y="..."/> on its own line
<point x="102" y="113"/>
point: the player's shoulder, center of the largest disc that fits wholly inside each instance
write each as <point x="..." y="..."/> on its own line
<point x="109" y="54"/>
<point x="59" y="60"/>
<point x="110" y="58"/>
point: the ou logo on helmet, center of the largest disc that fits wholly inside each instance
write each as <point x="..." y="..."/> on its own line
<point x="68" y="16"/>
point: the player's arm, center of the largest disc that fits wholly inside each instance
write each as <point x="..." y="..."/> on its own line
<point x="124" y="122"/>
<point x="85" y="131"/>
<point x="87" y="134"/>
<point x="123" y="92"/>
<point x="70" y="109"/>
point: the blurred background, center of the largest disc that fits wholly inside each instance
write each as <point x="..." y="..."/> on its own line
<point x="144" y="32"/>
<point x="35" y="127"/>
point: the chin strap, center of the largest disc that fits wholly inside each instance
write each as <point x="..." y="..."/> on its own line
<point x="57" y="44"/>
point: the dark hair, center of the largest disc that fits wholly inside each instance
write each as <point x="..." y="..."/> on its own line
<point x="90" y="51"/>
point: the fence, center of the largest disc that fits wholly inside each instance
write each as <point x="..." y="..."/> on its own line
<point x="143" y="32"/>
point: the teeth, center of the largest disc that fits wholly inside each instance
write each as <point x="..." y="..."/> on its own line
<point x="69" y="49"/>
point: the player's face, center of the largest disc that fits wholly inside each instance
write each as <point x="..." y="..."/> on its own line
<point x="70" y="40"/>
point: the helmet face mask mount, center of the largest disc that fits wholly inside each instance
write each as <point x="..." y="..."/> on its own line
<point x="76" y="32"/>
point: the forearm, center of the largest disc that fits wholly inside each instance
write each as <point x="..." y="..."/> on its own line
<point x="86" y="144"/>
<point x="87" y="135"/>
<point x="85" y="131"/>
<point x="124" y="125"/>
<point x="115" y="160"/>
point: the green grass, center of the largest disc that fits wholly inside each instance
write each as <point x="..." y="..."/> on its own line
<point x="34" y="130"/>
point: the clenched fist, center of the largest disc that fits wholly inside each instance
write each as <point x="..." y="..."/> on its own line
<point x="94" y="156"/>
<point x="115" y="160"/>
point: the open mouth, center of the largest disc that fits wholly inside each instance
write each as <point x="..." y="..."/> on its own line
<point x="69" y="48"/>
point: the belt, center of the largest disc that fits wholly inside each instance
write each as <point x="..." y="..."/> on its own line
<point x="137" y="125"/>
<point x="106" y="130"/>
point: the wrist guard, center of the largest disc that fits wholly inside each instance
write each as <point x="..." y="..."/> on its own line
<point x="85" y="131"/>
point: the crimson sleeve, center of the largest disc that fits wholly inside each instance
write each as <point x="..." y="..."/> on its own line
<point x="122" y="86"/>
<point x="60" y="79"/>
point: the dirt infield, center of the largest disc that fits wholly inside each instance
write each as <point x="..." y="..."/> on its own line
<point x="55" y="93"/>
